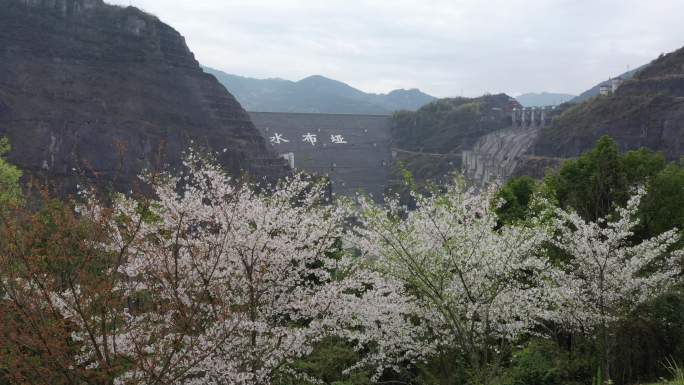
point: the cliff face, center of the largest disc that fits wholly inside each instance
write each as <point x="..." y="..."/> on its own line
<point x="646" y="111"/>
<point x="102" y="91"/>
<point x="496" y="156"/>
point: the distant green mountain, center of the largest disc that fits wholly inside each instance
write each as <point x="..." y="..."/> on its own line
<point x="543" y="99"/>
<point x="316" y="94"/>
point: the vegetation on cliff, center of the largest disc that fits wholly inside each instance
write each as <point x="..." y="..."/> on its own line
<point x="450" y="125"/>
<point x="10" y="189"/>
<point x="645" y="111"/>
<point x="428" y="142"/>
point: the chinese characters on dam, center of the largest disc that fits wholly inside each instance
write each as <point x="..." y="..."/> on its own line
<point x="354" y="151"/>
<point x="278" y="138"/>
<point x="308" y="137"/>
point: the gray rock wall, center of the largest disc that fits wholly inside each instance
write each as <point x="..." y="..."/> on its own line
<point x="93" y="91"/>
<point x="495" y="156"/>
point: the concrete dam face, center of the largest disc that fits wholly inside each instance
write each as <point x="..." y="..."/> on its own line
<point x="354" y="151"/>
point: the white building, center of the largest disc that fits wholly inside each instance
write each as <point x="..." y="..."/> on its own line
<point x="605" y="89"/>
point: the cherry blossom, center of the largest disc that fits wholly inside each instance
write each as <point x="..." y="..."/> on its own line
<point x="230" y="283"/>
<point x="478" y="283"/>
<point x="607" y="273"/>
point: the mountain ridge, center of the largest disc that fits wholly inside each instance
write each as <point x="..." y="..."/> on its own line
<point x="541" y="99"/>
<point x="316" y="94"/>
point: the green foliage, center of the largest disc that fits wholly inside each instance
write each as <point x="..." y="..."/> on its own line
<point x="600" y="179"/>
<point x="327" y="363"/>
<point x="449" y="125"/>
<point x="543" y="362"/>
<point x="10" y="190"/>
<point x="517" y="194"/>
<point x="445" y="368"/>
<point x="594" y="183"/>
<point x="651" y="335"/>
<point x="663" y="207"/>
<point x="598" y="378"/>
<point x="640" y="165"/>
<point x="676" y="371"/>
<point x="534" y="365"/>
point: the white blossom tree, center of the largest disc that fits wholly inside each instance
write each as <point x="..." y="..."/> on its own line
<point x="479" y="284"/>
<point x="227" y="283"/>
<point x="607" y="273"/>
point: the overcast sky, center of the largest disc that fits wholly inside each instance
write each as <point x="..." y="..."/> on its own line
<point x="443" y="47"/>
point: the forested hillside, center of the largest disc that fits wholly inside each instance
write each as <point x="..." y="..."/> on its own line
<point x="645" y="111"/>
<point x="451" y="125"/>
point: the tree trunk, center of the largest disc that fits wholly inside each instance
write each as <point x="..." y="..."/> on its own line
<point x="605" y="353"/>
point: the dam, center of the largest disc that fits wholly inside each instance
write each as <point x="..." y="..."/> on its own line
<point x="354" y="151"/>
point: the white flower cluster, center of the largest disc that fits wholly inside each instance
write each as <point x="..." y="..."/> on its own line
<point x="477" y="282"/>
<point x="607" y="274"/>
<point x="229" y="285"/>
<point x="227" y="282"/>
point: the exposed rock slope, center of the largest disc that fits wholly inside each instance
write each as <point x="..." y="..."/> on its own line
<point x="496" y="156"/>
<point x="104" y="91"/>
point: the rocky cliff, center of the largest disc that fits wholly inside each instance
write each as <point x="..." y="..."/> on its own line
<point x="89" y="89"/>
<point x="496" y="156"/>
<point x="645" y="111"/>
